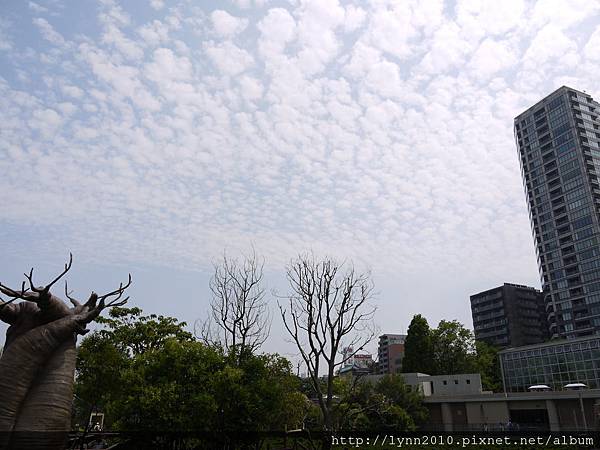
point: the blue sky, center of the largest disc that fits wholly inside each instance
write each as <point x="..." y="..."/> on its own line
<point x="149" y="137"/>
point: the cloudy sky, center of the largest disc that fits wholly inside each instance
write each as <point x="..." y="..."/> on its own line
<point x="150" y="136"/>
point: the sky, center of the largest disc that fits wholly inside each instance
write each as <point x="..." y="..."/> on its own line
<point x="152" y="136"/>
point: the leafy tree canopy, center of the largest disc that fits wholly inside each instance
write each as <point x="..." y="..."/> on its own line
<point x="450" y="349"/>
<point x="418" y="349"/>
<point x="388" y="405"/>
<point x="148" y="373"/>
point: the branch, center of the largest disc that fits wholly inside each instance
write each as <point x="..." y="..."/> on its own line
<point x="67" y="268"/>
<point x="75" y="302"/>
<point x="8" y="314"/>
<point x="23" y="295"/>
<point x="118" y="293"/>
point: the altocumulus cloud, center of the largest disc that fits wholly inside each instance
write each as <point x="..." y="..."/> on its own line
<point x="375" y="130"/>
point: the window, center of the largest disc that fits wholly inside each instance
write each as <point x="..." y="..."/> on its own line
<point x="468" y="381"/>
<point x="445" y="382"/>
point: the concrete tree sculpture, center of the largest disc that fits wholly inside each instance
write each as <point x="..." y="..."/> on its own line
<point x="37" y="365"/>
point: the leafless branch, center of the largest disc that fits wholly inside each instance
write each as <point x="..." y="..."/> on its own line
<point x="117" y="293"/>
<point x="329" y="306"/>
<point x="238" y="310"/>
<point x="74" y="301"/>
<point x="67" y="268"/>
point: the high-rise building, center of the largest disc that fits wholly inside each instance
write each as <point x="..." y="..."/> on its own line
<point x="390" y="353"/>
<point x="559" y="152"/>
<point x="509" y="316"/>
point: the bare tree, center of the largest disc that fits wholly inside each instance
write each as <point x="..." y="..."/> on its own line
<point x="239" y="316"/>
<point x="329" y="308"/>
<point x="38" y="362"/>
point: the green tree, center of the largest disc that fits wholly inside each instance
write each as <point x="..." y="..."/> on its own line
<point x="450" y="349"/>
<point x="453" y="348"/>
<point x="388" y="405"/>
<point x="487" y="363"/>
<point x="147" y="373"/>
<point x="105" y="355"/>
<point x="399" y="393"/>
<point x="418" y="349"/>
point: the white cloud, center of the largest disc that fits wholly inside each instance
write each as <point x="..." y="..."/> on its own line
<point x="72" y="91"/>
<point x="226" y="25"/>
<point x="495" y="18"/>
<point x="252" y="88"/>
<point x="277" y="29"/>
<point x="5" y="41"/>
<point x="379" y="131"/>
<point x="127" y="47"/>
<point x="48" y="31"/>
<point x="539" y="52"/>
<point x="392" y="31"/>
<point x="157" y="4"/>
<point x="37" y="8"/>
<point x="46" y="121"/>
<point x="446" y="49"/>
<point x="593" y="44"/>
<point x="490" y="58"/>
<point x="166" y="66"/>
<point x="229" y="58"/>
<point x="354" y="18"/>
<point x="384" y="79"/>
<point x="154" y="33"/>
<point x="562" y="13"/>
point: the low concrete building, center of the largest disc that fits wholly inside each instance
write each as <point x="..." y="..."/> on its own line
<point x="444" y="385"/>
<point x="458" y="403"/>
<point x="460" y="384"/>
<point x="555" y="411"/>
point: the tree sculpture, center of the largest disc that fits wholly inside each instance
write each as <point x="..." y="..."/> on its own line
<point x="38" y="363"/>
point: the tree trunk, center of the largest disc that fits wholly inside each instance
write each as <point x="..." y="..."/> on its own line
<point x="36" y="387"/>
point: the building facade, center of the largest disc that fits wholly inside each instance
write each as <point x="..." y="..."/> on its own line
<point x="564" y="411"/>
<point x="554" y="364"/>
<point x="390" y="353"/>
<point x="558" y="141"/>
<point x="509" y="315"/>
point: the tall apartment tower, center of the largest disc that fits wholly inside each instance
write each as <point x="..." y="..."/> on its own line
<point x="559" y="152"/>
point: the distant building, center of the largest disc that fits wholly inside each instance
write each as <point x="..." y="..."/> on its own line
<point x="555" y="364"/>
<point x="390" y="353"/>
<point x="509" y="316"/>
<point x="357" y="364"/>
